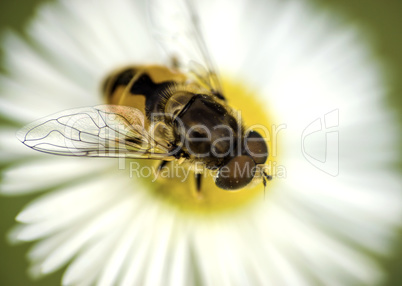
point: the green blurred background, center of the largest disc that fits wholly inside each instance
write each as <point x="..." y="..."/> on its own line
<point x="380" y="20"/>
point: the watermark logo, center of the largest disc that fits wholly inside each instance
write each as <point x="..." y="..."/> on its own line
<point x="183" y="173"/>
<point x="322" y="152"/>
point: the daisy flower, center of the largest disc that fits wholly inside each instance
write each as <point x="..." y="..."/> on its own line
<point x="331" y="210"/>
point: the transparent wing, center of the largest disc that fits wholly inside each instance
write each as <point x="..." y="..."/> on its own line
<point x="177" y="29"/>
<point x="100" y="131"/>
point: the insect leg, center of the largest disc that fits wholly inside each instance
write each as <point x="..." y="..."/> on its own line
<point x="264" y="181"/>
<point x="265" y="177"/>
<point x="174" y="61"/>
<point x="198" y="178"/>
<point x="219" y="95"/>
<point x="162" y="165"/>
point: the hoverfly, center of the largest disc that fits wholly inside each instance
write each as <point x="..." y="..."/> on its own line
<point x="176" y="113"/>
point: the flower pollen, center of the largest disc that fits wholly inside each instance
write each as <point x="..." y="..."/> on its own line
<point x="175" y="184"/>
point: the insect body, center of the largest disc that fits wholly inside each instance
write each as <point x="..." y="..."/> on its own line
<point x="162" y="113"/>
<point x="197" y="122"/>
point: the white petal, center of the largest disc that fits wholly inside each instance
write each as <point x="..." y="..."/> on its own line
<point x="53" y="212"/>
<point x="91" y="259"/>
<point x="16" y="112"/>
<point x="10" y="150"/>
<point x="180" y="270"/>
<point x="115" y="264"/>
<point x="42" y="174"/>
<point x="35" y="83"/>
<point x="133" y="270"/>
<point x="210" y="271"/>
<point x="158" y="261"/>
<point x="87" y="232"/>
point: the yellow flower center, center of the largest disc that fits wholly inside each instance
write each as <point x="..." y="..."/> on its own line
<point x="176" y="185"/>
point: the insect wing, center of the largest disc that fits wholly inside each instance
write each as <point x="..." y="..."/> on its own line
<point x="177" y="29"/>
<point x="100" y="131"/>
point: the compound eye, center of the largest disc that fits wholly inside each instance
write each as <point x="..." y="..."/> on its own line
<point x="256" y="147"/>
<point x="236" y="174"/>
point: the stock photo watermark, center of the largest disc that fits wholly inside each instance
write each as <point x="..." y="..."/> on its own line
<point x="124" y="133"/>
<point x="182" y="173"/>
<point x="324" y="152"/>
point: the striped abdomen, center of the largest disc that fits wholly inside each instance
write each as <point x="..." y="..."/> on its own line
<point x="140" y="86"/>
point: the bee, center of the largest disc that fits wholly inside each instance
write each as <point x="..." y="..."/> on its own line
<point x="167" y="113"/>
